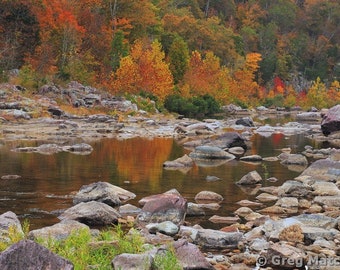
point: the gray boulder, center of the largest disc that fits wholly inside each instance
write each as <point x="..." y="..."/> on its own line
<point x="29" y="255"/>
<point x="214" y="239"/>
<point x="293" y="159"/>
<point x="250" y="178"/>
<point x="165" y="227"/>
<point x="91" y="213"/>
<point x="103" y="192"/>
<point x="331" y="121"/>
<point x="57" y="231"/>
<point x="126" y="261"/>
<point x="163" y="207"/>
<point x="229" y="140"/>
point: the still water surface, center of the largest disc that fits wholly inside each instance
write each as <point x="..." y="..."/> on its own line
<point x="133" y="164"/>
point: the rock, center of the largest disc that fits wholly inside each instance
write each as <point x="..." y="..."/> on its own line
<point x="190" y="257"/>
<point x="252" y="158"/>
<point x="208" y="196"/>
<point x="313" y="233"/>
<point x="322" y="188"/>
<point x="210" y="152"/>
<point x="293" y="159"/>
<point x="323" y="169"/>
<point x="308" y="116"/>
<point x="288" y="202"/>
<point x="294" y="189"/>
<point x="126" y="261"/>
<point x="163" y="207"/>
<point x="219" y="219"/>
<point x="272" y="229"/>
<point x="249" y="203"/>
<point x="57" y="231"/>
<point x="195" y="210"/>
<point x="259" y="244"/>
<point x="129" y="209"/>
<point x="184" y="161"/>
<point x="27" y="254"/>
<point x="250" y="178"/>
<point x="81" y="148"/>
<point x="292" y="233"/>
<point x="214" y="239"/>
<point x="265" y="197"/>
<point x="48" y="149"/>
<point x="236" y="151"/>
<point x="10" y="177"/>
<point x="243" y="211"/>
<point x="331" y="120"/>
<point x="245" y="121"/>
<point x="8" y="220"/>
<point x="229" y="140"/>
<point x="284" y="256"/>
<point x="328" y="200"/>
<point x="317" y="220"/>
<point x="91" y="213"/>
<point x="103" y="192"/>
<point x="165" y="227"/>
<point x="212" y="178"/>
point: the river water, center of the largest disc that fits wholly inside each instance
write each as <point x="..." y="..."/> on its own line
<point x="47" y="181"/>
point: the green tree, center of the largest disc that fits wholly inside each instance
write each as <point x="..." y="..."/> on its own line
<point x="178" y="58"/>
<point x="119" y="49"/>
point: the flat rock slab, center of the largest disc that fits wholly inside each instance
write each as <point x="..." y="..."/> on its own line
<point x="214" y="239"/>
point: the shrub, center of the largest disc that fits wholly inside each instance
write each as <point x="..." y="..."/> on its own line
<point x="197" y="107"/>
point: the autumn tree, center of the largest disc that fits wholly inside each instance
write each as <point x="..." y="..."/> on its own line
<point x="207" y="76"/>
<point x="144" y="70"/>
<point x="245" y="88"/>
<point x="18" y="33"/>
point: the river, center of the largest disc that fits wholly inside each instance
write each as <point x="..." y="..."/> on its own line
<point x="48" y="181"/>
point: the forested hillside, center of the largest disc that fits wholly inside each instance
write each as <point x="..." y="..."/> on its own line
<point x="272" y="52"/>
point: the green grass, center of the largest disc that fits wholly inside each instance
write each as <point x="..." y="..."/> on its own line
<point x="88" y="251"/>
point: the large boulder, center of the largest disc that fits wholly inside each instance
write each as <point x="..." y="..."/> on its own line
<point x="163" y="207"/>
<point x="331" y="120"/>
<point x="27" y="254"/>
<point x="91" y="213"/>
<point x="103" y="192"/>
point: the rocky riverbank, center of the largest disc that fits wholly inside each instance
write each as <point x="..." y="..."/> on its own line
<point x="294" y="225"/>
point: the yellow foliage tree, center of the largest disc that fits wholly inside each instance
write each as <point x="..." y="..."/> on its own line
<point x="144" y="70"/>
<point x="317" y="95"/>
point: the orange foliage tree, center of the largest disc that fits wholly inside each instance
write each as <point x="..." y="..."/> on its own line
<point x="206" y="76"/>
<point x="245" y="89"/>
<point x="144" y="70"/>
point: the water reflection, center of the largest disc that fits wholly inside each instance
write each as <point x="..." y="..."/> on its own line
<point x="134" y="164"/>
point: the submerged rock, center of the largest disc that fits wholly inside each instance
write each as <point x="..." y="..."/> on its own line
<point x="184" y="161"/>
<point x="210" y="152"/>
